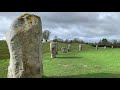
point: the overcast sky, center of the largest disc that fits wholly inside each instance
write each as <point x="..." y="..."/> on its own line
<point x="88" y="26"/>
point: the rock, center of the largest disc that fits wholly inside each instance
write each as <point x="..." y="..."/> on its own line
<point x="105" y="47"/>
<point x="64" y="49"/>
<point x="25" y="46"/>
<point x="53" y="49"/>
<point x="96" y="47"/>
<point x="80" y="47"/>
<point x="56" y="48"/>
<point x="112" y="46"/>
<point x="69" y="48"/>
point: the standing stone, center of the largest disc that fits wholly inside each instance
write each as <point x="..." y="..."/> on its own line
<point x="25" y="46"/>
<point x="64" y="49"/>
<point x="68" y="48"/>
<point x="56" y="44"/>
<point x="53" y="49"/>
<point x="80" y="47"/>
<point x="96" y="47"/>
<point x="112" y="46"/>
<point x="105" y="47"/>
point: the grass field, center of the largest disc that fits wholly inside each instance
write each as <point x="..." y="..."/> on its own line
<point x="86" y="64"/>
<point x="89" y="63"/>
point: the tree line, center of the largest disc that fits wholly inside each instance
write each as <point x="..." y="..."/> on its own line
<point x="46" y="36"/>
<point x="101" y="43"/>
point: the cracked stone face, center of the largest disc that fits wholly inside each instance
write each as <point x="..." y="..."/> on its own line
<point x="24" y="41"/>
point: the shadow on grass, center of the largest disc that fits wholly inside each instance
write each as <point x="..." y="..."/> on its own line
<point x="92" y="75"/>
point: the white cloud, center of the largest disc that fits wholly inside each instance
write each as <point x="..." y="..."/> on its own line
<point x="4" y="24"/>
<point x="88" y="26"/>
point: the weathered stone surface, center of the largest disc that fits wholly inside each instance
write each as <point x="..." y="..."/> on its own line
<point x="53" y="49"/>
<point x="25" y="47"/>
<point x="80" y="47"/>
<point x="64" y="49"/>
<point x="69" y="48"/>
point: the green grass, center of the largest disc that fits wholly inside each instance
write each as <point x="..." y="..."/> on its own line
<point x="85" y="64"/>
<point x="4" y="53"/>
<point x="89" y="63"/>
<point x="3" y="68"/>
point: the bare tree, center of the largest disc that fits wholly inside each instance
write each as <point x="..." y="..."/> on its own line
<point x="46" y="35"/>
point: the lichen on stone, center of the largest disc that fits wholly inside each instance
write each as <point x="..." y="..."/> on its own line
<point x="29" y="16"/>
<point x="25" y="21"/>
<point x="24" y="15"/>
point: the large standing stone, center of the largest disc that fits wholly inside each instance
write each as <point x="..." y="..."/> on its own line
<point x="53" y="49"/>
<point x="69" y="48"/>
<point x="80" y="47"/>
<point x="25" y="47"/>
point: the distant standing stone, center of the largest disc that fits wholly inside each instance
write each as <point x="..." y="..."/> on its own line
<point x="96" y="47"/>
<point x="56" y="48"/>
<point x="53" y="49"/>
<point x="105" y="47"/>
<point x="64" y="49"/>
<point x="80" y="47"/>
<point x="69" y="48"/>
<point x="112" y="46"/>
<point x="25" y="46"/>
